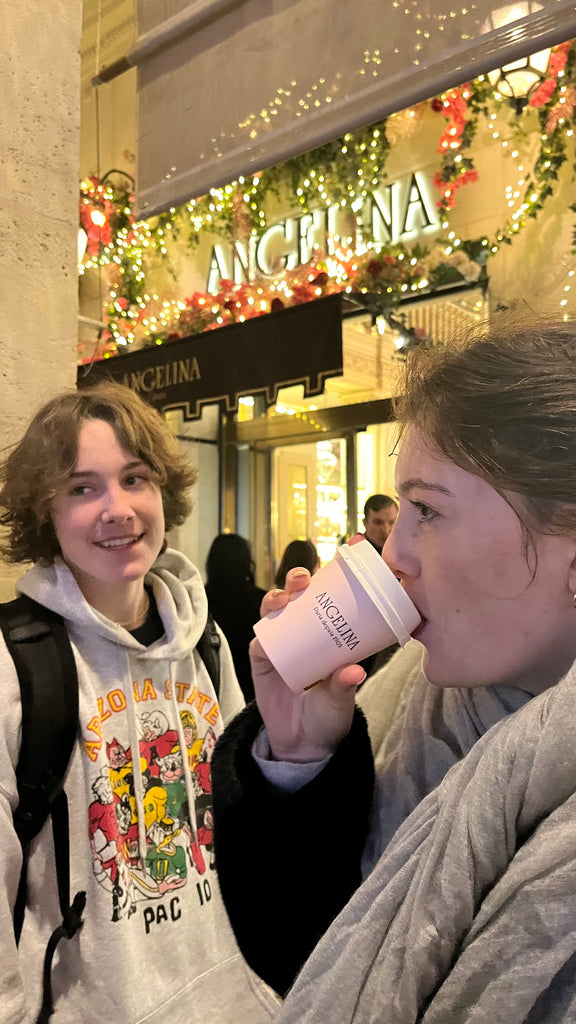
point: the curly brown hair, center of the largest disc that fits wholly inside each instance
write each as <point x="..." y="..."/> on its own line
<point x="37" y="469"/>
<point x="501" y="403"/>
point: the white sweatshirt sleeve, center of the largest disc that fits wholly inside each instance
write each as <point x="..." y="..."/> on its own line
<point x="286" y="775"/>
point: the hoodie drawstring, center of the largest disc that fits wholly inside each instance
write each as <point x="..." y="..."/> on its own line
<point x="188" y="780"/>
<point x="134" y="741"/>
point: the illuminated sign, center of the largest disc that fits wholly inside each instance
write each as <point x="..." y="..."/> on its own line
<point x="399" y="211"/>
<point x="299" y="345"/>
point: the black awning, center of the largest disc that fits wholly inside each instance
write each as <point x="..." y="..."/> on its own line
<point x="299" y="345"/>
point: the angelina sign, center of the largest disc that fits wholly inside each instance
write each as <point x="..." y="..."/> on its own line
<point x="399" y="211"/>
<point x="300" y="345"/>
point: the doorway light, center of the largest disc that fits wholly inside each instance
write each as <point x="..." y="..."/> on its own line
<point x="518" y="81"/>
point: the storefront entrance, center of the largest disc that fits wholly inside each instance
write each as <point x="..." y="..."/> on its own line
<point x="283" y="482"/>
<point x="305" y="467"/>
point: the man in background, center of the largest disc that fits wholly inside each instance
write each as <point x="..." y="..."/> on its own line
<point x="380" y="513"/>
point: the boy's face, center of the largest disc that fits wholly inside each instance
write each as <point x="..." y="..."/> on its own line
<point x="379" y="525"/>
<point x="109" y="519"/>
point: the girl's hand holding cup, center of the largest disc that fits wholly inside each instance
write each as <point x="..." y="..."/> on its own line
<point x="304" y="658"/>
<point x="306" y="726"/>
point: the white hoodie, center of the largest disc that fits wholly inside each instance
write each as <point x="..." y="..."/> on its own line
<point x="156" y="945"/>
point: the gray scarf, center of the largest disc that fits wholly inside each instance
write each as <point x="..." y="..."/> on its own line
<point x="470" y="915"/>
<point x="418" y="733"/>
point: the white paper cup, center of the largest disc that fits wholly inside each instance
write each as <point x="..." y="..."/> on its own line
<point x="352" y="608"/>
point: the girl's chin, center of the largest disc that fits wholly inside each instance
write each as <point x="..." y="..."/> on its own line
<point x="438" y="674"/>
<point x="444" y="677"/>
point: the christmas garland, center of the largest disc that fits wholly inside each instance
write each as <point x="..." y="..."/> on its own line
<point x="341" y="173"/>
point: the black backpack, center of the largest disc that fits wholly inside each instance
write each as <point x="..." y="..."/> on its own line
<point x="38" y="643"/>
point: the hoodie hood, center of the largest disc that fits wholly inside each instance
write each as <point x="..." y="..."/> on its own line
<point x="178" y="591"/>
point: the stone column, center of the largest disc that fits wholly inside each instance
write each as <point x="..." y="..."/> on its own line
<point x="39" y="158"/>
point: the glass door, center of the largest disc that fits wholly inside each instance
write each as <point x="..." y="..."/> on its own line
<point x="309" y="495"/>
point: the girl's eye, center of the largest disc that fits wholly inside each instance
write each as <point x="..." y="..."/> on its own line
<point x="425" y="513"/>
<point x="78" y="490"/>
<point x="134" y="479"/>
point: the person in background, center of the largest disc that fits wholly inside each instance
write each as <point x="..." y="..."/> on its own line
<point x="466" y="912"/>
<point x="300" y="553"/>
<point x="87" y="495"/>
<point x="380" y="512"/>
<point x="234" y="600"/>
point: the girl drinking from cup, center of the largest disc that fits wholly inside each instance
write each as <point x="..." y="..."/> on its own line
<point x="466" y="912"/>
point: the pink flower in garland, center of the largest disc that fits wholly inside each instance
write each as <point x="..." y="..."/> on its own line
<point x="197" y="301"/>
<point x="302" y="293"/>
<point x="448" y="188"/>
<point x="558" y="58"/>
<point x="543" y="93"/>
<point x="96" y="212"/>
<point x="448" y="201"/>
<point x="465" y="177"/>
<point x="94" y="218"/>
<point x="556" y="64"/>
<point x="454" y="107"/>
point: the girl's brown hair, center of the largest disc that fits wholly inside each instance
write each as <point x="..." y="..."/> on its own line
<point x="38" y="467"/>
<point x="502" y="404"/>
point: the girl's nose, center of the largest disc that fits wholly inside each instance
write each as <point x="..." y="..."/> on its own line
<point x="399" y="553"/>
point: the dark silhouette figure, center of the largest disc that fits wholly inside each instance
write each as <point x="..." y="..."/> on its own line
<point x="234" y="599"/>
<point x="297" y="552"/>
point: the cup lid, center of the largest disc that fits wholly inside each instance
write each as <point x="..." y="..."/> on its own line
<point x="376" y="577"/>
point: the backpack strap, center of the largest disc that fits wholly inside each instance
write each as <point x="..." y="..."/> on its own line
<point x="37" y="641"/>
<point x="208" y="648"/>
